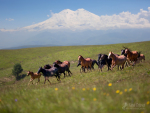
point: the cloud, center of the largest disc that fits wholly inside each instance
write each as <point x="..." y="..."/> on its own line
<point x="82" y="20"/>
<point x="47" y="15"/>
<point x="10" y="19"/>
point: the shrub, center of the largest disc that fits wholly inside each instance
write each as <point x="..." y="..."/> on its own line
<point x="17" y="69"/>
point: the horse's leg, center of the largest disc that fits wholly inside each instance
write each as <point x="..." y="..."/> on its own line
<point x="30" y="81"/>
<point x="112" y="66"/>
<point x="64" y="74"/>
<point x="49" y="81"/>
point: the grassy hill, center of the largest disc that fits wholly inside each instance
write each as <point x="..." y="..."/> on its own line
<point x="114" y="91"/>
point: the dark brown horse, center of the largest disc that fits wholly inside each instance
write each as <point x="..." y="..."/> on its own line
<point x="117" y="60"/>
<point x="33" y="76"/>
<point x="64" y="63"/>
<point x="132" y="55"/>
<point x="85" y="63"/>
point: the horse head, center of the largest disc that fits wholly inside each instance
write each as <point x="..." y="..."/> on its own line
<point x="79" y="57"/>
<point x="110" y="54"/>
<point x="40" y="70"/>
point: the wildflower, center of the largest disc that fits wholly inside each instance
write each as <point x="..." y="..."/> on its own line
<point x="110" y="84"/>
<point x="120" y="93"/>
<point x="16" y="100"/>
<point x="82" y="99"/>
<point x="142" y="112"/>
<point x="94" y="89"/>
<point x="104" y="93"/>
<point x="125" y="90"/>
<point x="107" y="94"/>
<point x="117" y="91"/>
<point x="94" y="99"/>
<point x="56" y="89"/>
<point x="83" y="89"/>
<point x="130" y="89"/>
<point x="147" y="102"/>
<point x="73" y="87"/>
<point x="87" y="88"/>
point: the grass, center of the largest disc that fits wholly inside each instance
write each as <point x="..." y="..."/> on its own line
<point x="108" y="91"/>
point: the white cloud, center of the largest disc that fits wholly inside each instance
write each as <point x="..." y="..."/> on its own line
<point x="82" y="19"/>
<point x="10" y="19"/>
<point x="47" y="15"/>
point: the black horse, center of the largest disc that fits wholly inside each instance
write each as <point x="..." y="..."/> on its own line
<point x="103" y="60"/>
<point x="93" y="63"/>
<point x="53" y="71"/>
<point x="62" y="68"/>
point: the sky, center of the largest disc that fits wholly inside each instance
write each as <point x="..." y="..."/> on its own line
<point x="20" y="13"/>
<point x="40" y="15"/>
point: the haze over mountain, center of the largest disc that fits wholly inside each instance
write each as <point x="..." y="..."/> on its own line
<point x="80" y="27"/>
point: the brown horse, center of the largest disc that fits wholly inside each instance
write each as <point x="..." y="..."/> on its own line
<point x="33" y="76"/>
<point x="132" y="55"/>
<point x="142" y="57"/>
<point x="62" y="64"/>
<point x="85" y="63"/>
<point x="117" y="60"/>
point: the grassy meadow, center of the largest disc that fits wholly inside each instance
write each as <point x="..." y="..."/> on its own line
<point x="116" y="91"/>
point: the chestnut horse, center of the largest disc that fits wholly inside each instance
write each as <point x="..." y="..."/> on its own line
<point x="33" y="76"/>
<point x="85" y="63"/>
<point x="132" y="55"/>
<point x="63" y="64"/>
<point x="117" y="60"/>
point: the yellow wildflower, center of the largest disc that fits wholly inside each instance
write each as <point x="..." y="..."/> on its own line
<point x="147" y="102"/>
<point x="73" y="87"/>
<point x="120" y="93"/>
<point x="94" y="89"/>
<point x="110" y="84"/>
<point x="130" y="89"/>
<point x="83" y="89"/>
<point x="56" y="89"/>
<point x="125" y="90"/>
<point x="117" y="91"/>
<point x="94" y="99"/>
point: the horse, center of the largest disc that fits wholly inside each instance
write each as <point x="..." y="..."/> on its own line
<point x="93" y="63"/>
<point x="142" y="57"/>
<point x="123" y="53"/>
<point x="62" y="68"/>
<point x="85" y="63"/>
<point x="117" y="60"/>
<point x="33" y="76"/>
<point x="64" y="63"/>
<point x="132" y="55"/>
<point x="103" y="60"/>
<point x="53" y="71"/>
<point x="47" y="66"/>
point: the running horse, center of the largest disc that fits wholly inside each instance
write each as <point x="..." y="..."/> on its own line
<point x="117" y="60"/>
<point x="33" y="76"/>
<point x="85" y="63"/>
<point x="64" y="63"/>
<point x="132" y="55"/>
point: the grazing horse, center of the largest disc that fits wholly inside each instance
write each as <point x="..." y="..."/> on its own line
<point x="85" y="63"/>
<point x="132" y="55"/>
<point x="33" y="76"/>
<point x="117" y="60"/>
<point x="53" y="71"/>
<point x="93" y="63"/>
<point x="103" y="60"/>
<point x="62" y="68"/>
<point x="142" y="57"/>
<point x="63" y="64"/>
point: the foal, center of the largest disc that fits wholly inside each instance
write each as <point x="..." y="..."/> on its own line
<point x="142" y="57"/>
<point x="117" y="60"/>
<point x="33" y="76"/>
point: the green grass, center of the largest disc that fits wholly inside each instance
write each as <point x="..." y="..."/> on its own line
<point x="75" y="94"/>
